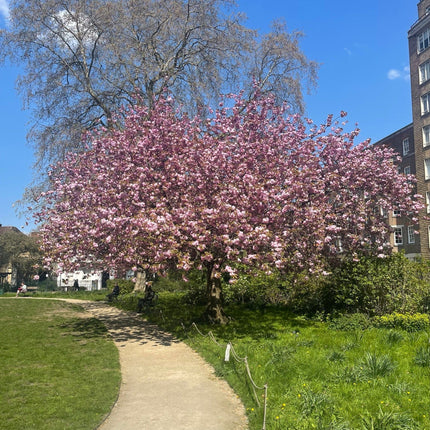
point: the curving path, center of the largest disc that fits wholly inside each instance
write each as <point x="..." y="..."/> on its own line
<point x="165" y="384"/>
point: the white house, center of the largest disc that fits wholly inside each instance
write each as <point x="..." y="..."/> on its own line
<point x="88" y="279"/>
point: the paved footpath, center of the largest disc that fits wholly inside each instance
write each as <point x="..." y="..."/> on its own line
<point x="165" y="384"/>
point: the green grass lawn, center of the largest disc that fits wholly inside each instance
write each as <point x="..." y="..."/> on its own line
<point x="59" y="369"/>
<point x="318" y="377"/>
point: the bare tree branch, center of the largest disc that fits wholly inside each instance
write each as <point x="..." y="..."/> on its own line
<point x="83" y="59"/>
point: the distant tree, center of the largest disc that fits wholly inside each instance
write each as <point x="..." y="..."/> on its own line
<point x="248" y="185"/>
<point x="83" y="59"/>
<point x="20" y="252"/>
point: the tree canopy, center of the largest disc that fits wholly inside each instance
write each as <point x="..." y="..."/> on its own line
<point x="248" y="185"/>
<point x="19" y="251"/>
<point x="83" y="59"/>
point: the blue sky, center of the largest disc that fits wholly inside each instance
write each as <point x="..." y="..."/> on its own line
<point x="362" y="48"/>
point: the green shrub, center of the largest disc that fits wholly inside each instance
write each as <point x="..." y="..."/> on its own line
<point x="378" y="286"/>
<point x="47" y="285"/>
<point x="172" y="281"/>
<point x="257" y="288"/>
<point x="5" y="287"/>
<point x="408" y="322"/>
<point x="195" y="286"/>
<point x="126" y="286"/>
<point x="351" y="322"/>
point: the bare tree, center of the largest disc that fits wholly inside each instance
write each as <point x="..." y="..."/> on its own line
<point x="83" y="59"/>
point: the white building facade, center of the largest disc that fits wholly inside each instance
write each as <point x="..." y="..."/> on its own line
<point x="87" y="279"/>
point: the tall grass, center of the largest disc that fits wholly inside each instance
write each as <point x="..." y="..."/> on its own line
<point x="318" y="376"/>
<point x="59" y="369"/>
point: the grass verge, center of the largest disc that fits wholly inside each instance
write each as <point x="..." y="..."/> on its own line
<point x="60" y="370"/>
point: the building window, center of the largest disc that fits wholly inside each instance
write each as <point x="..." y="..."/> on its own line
<point x="428" y="231"/>
<point x="426" y="135"/>
<point x="407" y="170"/>
<point x="428" y="202"/>
<point x="405" y="146"/>
<point x="396" y="213"/>
<point x="427" y="168"/>
<point x="424" y="40"/>
<point x="411" y="234"/>
<point x="398" y="236"/>
<point x="424" y="72"/>
<point x="425" y="103"/>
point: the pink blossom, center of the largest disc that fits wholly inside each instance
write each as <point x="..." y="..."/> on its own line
<point x="251" y="185"/>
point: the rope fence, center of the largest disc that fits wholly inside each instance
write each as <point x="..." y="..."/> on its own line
<point x="231" y="352"/>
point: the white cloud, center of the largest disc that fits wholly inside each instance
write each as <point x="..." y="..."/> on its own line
<point x="4" y="9"/>
<point x="393" y="74"/>
<point x="399" y="74"/>
<point x="69" y="30"/>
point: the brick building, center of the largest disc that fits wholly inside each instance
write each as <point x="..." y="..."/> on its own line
<point x="412" y="142"/>
<point x="403" y="237"/>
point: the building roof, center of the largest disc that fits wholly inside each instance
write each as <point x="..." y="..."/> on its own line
<point x="392" y="135"/>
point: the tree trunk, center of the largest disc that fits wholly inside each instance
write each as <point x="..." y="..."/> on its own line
<point x="214" y="311"/>
<point x="140" y="284"/>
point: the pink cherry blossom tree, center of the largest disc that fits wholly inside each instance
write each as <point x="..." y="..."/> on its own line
<point x="249" y="185"/>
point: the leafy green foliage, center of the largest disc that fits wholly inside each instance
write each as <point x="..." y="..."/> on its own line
<point x="21" y="252"/>
<point x="347" y="297"/>
<point x="408" y="322"/>
<point x="126" y="286"/>
<point x="351" y="322"/>
<point x="378" y="286"/>
<point x="47" y="285"/>
<point x="256" y="287"/>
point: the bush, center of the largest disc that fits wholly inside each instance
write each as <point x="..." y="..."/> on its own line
<point x="126" y="286"/>
<point x="351" y="322"/>
<point x="408" y="322"/>
<point x="47" y="285"/>
<point x="5" y="287"/>
<point x="172" y="281"/>
<point x="257" y="288"/>
<point x="378" y="286"/>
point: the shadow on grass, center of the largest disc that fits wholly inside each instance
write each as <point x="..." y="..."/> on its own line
<point x="87" y="328"/>
<point x="246" y="321"/>
<point x="123" y="327"/>
<point x="260" y="322"/>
